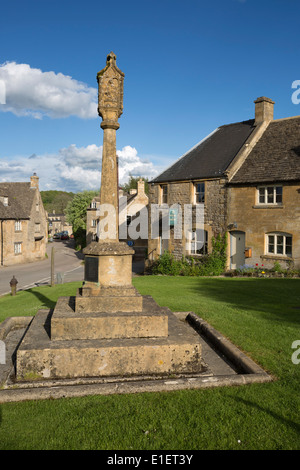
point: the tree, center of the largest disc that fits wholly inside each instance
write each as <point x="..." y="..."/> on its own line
<point x="76" y="213"/>
<point x="56" y="200"/>
<point x="132" y="183"/>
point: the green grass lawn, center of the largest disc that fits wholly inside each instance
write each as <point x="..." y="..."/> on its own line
<point x="261" y="316"/>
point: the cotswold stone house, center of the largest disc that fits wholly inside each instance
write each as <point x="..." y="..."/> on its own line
<point x="135" y="202"/>
<point x="23" y="223"/>
<point x="246" y="178"/>
<point x="264" y="199"/>
<point x="57" y="223"/>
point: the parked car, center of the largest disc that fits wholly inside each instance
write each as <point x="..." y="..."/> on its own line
<point x="57" y="236"/>
<point x="64" y="236"/>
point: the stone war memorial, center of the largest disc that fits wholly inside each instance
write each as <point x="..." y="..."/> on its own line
<point x="108" y="329"/>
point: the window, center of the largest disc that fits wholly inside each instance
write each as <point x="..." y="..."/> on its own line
<point x="199" y="192"/>
<point x="18" y="248"/>
<point x="37" y="228"/>
<point x="94" y="223"/>
<point x="93" y="205"/>
<point x="279" y="244"/>
<point x="198" y="242"/>
<point x="270" y="195"/>
<point x="164" y="194"/>
<point x="18" y="226"/>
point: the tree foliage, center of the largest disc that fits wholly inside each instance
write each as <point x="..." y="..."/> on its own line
<point x="76" y="209"/>
<point x="56" y="200"/>
<point x="132" y="183"/>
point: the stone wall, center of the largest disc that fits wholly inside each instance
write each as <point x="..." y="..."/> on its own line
<point x="215" y="213"/>
<point x="33" y="242"/>
<point x="257" y="221"/>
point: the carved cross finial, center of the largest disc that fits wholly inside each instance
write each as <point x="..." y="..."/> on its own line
<point x="111" y="59"/>
<point x="110" y="93"/>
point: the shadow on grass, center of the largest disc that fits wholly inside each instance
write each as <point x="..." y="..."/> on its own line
<point x="276" y="416"/>
<point x="46" y="302"/>
<point x="278" y="299"/>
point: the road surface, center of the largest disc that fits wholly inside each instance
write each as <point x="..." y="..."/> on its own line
<point x="68" y="267"/>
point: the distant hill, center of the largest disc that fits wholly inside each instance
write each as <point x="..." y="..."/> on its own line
<point x="56" y="200"/>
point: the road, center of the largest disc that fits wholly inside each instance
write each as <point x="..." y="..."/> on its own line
<point x="67" y="266"/>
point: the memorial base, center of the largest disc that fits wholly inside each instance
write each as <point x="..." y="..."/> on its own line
<point x="42" y="356"/>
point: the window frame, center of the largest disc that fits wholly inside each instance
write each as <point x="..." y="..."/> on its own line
<point x="276" y="244"/>
<point x="164" y="193"/>
<point x="194" y="241"/>
<point x="18" y="226"/>
<point x="268" y="195"/>
<point x="196" y="184"/>
<point x="18" y="248"/>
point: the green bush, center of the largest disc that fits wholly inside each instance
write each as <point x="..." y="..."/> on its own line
<point x="210" y="265"/>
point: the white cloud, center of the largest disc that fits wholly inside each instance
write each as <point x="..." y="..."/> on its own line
<point x="131" y="163"/>
<point x="74" y="168"/>
<point x="31" y="92"/>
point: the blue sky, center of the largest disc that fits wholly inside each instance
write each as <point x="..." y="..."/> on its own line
<point x="190" y="66"/>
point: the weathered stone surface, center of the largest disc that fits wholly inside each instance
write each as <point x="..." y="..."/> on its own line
<point x="68" y="324"/>
<point x="38" y="356"/>
<point x="107" y="249"/>
<point x="215" y="210"/>
<point x="109" y="304"/>
<point x="108" y="270"/>
<point x="108" y="329"/>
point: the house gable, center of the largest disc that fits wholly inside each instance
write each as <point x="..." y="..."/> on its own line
<point x="275" y="157"/>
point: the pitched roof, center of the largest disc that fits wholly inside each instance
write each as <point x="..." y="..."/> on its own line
<point x="211" y="157"/>
<point x="20" y="198"/>
<point x="275" y="157"/>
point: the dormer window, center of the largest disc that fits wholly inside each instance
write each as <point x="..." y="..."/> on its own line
<point x="4" y="200"/>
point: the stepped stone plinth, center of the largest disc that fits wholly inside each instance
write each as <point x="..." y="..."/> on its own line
<point x="113" y="354"/>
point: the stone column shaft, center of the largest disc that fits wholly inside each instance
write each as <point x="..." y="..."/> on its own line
<point x="109" y="194"/>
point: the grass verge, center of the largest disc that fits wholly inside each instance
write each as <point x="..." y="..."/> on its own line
<point x="261" y="316"/>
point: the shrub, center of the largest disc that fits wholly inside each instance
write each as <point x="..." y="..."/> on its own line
<point x="210" y="265"/>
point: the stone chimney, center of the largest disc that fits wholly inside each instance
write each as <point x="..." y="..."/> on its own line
<point x="264" y="110"/>
<point x="141" y="186"/>
<point x="133" y="191"/>
<point x="34" y="181"/>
